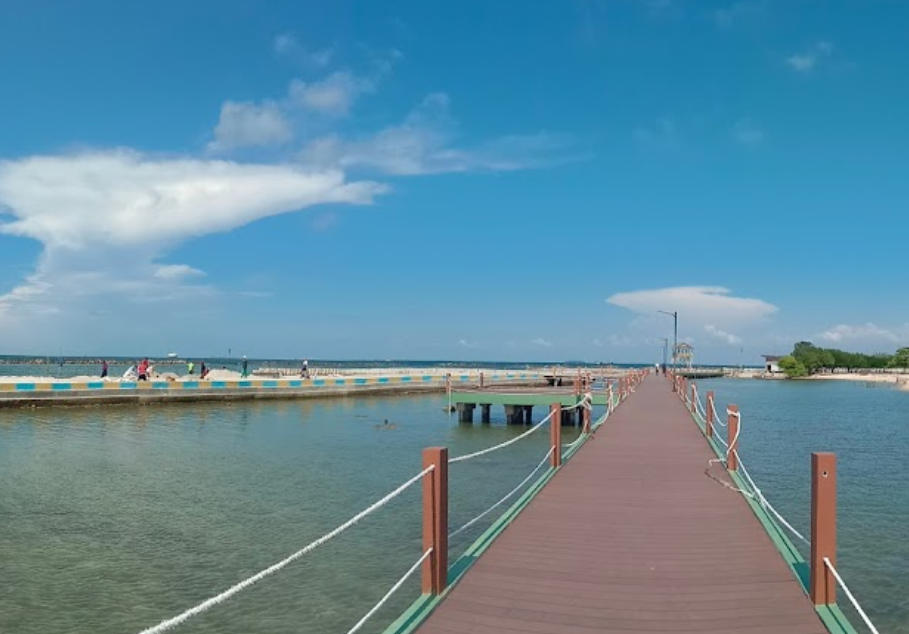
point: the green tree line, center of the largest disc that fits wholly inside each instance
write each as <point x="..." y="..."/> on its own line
<point x="807" y="359"/>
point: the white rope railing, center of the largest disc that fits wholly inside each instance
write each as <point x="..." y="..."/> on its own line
<point x="173" y="622"/>
<point x="756" y="493"/>
<point x="505" y="498"/>
<point x="483" y="452"/>
<point x="394" y="588"/>
<point x="855" y="603"/>
<point x="716" y="417"/>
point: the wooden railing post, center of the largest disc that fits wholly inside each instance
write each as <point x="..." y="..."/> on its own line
<point x="732" y="427"/>
<point x="555" y="435"/>
<point x="435" y="520"/>
<point x="823" y="527"/>
<point x="481" y="381"/>
<point x="709" y="414"/>
<point x="586" y="426"/>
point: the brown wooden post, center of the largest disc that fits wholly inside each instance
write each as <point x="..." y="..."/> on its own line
<point x="481" y="381"/>
<point x="732" y="426"/>
<point x="823" y="527"/>
<point x="435" y="520"/>
<point x="555" y="435"/>
<point x="585" y="428"/>
<point x="694" y="396"/>
<point x="709" y="413"/>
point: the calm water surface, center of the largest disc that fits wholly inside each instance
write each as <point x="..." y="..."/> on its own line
<point x="114" y="518"/>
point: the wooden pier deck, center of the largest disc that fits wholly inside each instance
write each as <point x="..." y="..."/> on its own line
<point x="631" y="536"/>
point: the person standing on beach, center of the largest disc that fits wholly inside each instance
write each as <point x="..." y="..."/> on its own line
<point x="143" y="370"/>
<point x="103" y="369"/>
<point x="203" y="371"/>
<point x="190" y="367"/>
<point x="245" y="372"/>
<point x="304" y="371"/>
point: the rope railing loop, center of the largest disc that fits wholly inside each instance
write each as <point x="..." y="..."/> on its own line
<point x="388" y="595"/>
<point x="502" y="445"/>
<point x="855" y="603"/>
<point x="169" y="624"/>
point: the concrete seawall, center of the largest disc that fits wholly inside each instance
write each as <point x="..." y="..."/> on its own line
<point x="149" y="392"/>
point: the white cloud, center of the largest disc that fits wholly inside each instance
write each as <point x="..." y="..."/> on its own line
<point x="332" y="95"/>
<point x="247" y="124"/>
<point x="464" y="343"/>
<point x="177" y="271"/>
<point x="807" y="61"/>
<point x="287" y="45"/>
<point x="539" y="341"/>
<point x="104" y="218"/>
<point x="747" y="133"/>
<point x="722" y="335"/>
<point x="697" y="306"/>
<point x="424" y="144"/>
<point x="867" y="333"/>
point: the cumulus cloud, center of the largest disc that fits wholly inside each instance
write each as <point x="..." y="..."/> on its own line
<point x="539" y="341"/>
<point x="105" y="218"/>
<point x="464" y="343"/>
<point x="806" y="62"/>
<point x="248" y="124"/>
<point x="722" y="335"/>
<point x="424" y="143"/>
<point x="865" y="333"/>
<point x="698" y="306"/>
<point x="728" y="16"/>
<point x="287" y="45"/>
<point x="332" y="95"/>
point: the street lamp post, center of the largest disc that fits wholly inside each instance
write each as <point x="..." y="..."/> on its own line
<point x="665" y="352"/>
<point x="675" y="338"/>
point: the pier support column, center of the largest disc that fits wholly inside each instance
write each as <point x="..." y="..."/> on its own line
<point x="514" y="414"/>
<point x="465" y="412"/>
<point x="565" y="415"/>
<point x="528" y="414"/>
<point x="435" y="520"/>
<point x="484" y="413"/>
<point x="823" y="528"/>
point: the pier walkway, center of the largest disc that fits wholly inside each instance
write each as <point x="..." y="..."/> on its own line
<point x="632" y="536"/>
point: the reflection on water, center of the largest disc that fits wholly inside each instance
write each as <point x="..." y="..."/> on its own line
<point x="113" y="518"/>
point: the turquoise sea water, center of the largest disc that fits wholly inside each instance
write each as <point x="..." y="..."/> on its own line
<point x="114" y="518"/>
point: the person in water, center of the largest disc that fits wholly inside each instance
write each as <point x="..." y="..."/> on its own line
<point x="103" y="369"/>
<point x="386" y="425"/>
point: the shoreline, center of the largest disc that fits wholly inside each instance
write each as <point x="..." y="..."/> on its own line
<point x="899" y="381"/>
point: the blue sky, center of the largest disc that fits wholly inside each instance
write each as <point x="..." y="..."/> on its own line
<point x="460" y="180"/>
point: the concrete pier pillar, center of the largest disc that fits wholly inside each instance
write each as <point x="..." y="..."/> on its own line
<point x="465" y="412"/>
<point x="528" y="414"/>
<point x="484" y="413"/>
<point x="566" y="417"/>
<point x="514" y="414"/>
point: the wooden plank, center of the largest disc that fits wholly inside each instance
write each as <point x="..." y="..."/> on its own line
<point x="632" y="536"/>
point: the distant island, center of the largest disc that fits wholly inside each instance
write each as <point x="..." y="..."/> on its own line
<point x="806" y="360"/>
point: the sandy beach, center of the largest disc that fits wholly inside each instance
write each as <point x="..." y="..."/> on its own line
<point x="897" y="380"/>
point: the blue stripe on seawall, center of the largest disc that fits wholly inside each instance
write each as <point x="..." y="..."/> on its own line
<point x="160" y="385"/>
<point x="426" y="377"/>
<point x="128" y="385"/>
<point x="382" y="379"/>
<point x="25" y="386"/>
<point x="269" y="384"/>
<point x="340" y="381"/>
<point x="219" y="383"/>
<point x="95" y="385"/>
<point x="464" y="377"/>
<point x="405" y="379"/>
<point x="297" y="383"/>
<point x="61" y="386"/>
<point x="360" y="381"/>
<point x="190" y="385"/>
<point x="244" y="383"/>
<point x="318" y="382"/>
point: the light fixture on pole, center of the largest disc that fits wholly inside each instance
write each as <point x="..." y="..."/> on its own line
<point x="675" y="339"/>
